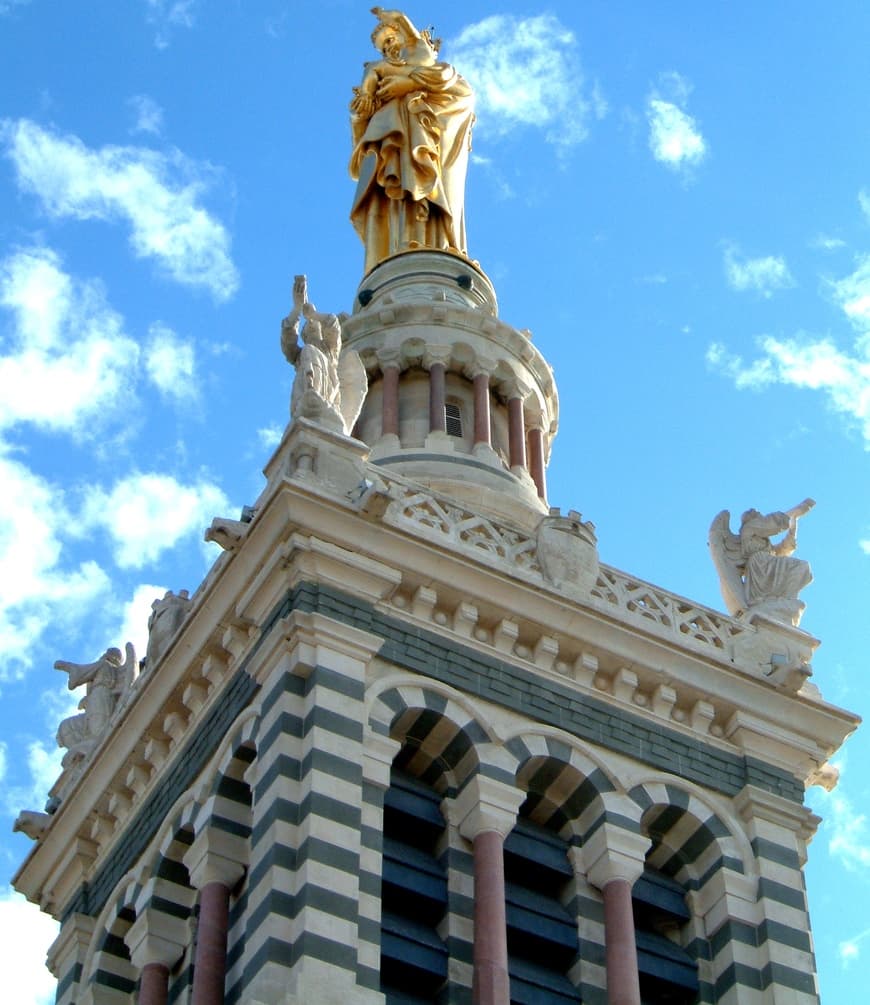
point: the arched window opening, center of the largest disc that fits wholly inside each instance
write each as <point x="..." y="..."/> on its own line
<point x="541" y="933"/>
<point x="453" y="419"/>
<point x="668" y="974"/>
<point x="413" y="894"/>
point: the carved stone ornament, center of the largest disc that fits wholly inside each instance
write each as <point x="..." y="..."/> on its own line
<point x="568" y="551"/>
<point x="31" y="823"/>
<point x="757" y="574"/>
<point x="167" y="616"/>
<point x="330" y="385"/>
<point x="108" y="679"/>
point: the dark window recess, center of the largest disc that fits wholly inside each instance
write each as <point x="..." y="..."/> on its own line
<point x="542" y="935"/>
<point x="452" y="419"/>
<point x="668" y="974"/>
<point x="413" y="894"/>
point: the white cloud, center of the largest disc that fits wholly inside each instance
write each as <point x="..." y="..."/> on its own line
<point x="852" y="294"/>
<point x="865" y="546"/>
<point x="168" y="14"/>
<point x="826" y="243"/>
<point x="674" y="137"/>
<point x="7" y="6"/>
<point x="36" y="588"/>
<point x="67" y="362"/>
<point x="850" y="949"/>
<point x="170" y="363"/>
<point x="147" y="514"/>
<point x="761" y="275"/>
<point x="526" y="73"/>
<point x="149" y="115"/>
<point x="27" y="934"/>
<point x="43" y="764"/>
<point x="157" y="194"/>
<point x="137" y="611"/>
<point x="2" y="762"/>
<point x="814" y="364"/>
<point x="270" y="436"/>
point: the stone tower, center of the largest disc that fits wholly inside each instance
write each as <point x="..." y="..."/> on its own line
<point x="409" y="740"/>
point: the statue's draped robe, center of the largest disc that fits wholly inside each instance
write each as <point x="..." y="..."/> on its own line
<point x="769" y="575"/>
<point x="410" y="160"/>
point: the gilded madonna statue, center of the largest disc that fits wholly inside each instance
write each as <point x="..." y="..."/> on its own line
<point x="411" y="119"/>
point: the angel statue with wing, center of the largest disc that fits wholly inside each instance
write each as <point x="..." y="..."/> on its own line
<point x="108" y="679"/>
<point x="757" y="574"/>
<point x="330" y="385"/>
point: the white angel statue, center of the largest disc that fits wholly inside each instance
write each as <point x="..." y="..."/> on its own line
<point x="757" y="574"/>
<point x="330" y="385"/>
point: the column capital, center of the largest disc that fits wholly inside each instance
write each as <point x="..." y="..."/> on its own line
<point x="611" y="853"/>
<point x="486" y="804"/>
<point x="481" y="366"/>
<point x="216" y="856"/>
<point x="434" y="354"/>
<point x="157" y="937"/>
<point x="378" y="755"/>
<point x="513" y="387"/>
<point x="389" y="356"/>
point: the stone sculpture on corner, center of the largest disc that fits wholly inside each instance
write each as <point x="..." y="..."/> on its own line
<point x="757" y="574"/>
<point x="167" y="615"/>
<point x="108" y="680"/>
<point x="330" y="385"/>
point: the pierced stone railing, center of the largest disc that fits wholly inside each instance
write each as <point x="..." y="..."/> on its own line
<point x="633" y="600"/>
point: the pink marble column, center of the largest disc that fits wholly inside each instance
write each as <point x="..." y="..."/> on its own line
<point x="623" y="986"/>
<point x="491" y="985"/>
<point x="481" y="409"/>
<point x="536" y="460"/>
<point x="153" y="984"/>
<point x="210" y="964"/>
<point x="516" y="432"/>
<point x="437" y="421"/>
<point x="390" y="401"/>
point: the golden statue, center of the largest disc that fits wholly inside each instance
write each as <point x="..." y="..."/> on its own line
<point x="411" y="119"/>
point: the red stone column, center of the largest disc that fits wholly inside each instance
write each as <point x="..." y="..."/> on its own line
<point x="153" y="984"/>
<point x="516" y="431"/>
<point x="481" y="409"/>
<point x="623" y="985"/>
<point x="536" y="460"/>
<point x="210" y="963"/>
<point x="156" y="941"/>
<point x="486" y="811"/>
<point x="390" y="401"/>
<point x="614" y="858"/>
<point x="491" y="984"/>
<point x="437" y="420"/>
<point x="215" y="862"/>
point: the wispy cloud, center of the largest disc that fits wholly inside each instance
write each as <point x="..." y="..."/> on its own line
<point x="849" y="950"/>
<point x="526" y="73"/>
<point x="763" y="275"/>
<point x="158" y="195"/>
<point x="166" y="15"/>
<point x="148" y="115"/>
<point x="67" y="362"/>
<point x="7" y="6"/>
<point x="814" y="364"/>
<point x="37" y="585"/>
<point x="170" y="363"/>
<point x="824" y="242"/>
<point x="674" y="136"/>
<point x="148" y="514"/>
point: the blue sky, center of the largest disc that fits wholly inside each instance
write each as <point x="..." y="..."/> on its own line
<point x="673" y="197"/>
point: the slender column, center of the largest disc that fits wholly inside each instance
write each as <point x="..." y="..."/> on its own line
<point x="390" y="368"/>
<point x="435" y="360"/>
<point x="481" y="409"/>
<point x="614" y="859"/>
<point x="154" y="984"/>
<point x="516" y="431"/>
<point x="487" y="811"/>
<point x="156" y="941"/>
<point x="214" y="861"/>
<point x="390" y="402"/>
<point x="437" y="422"/>
<point x="536" y="460"/>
